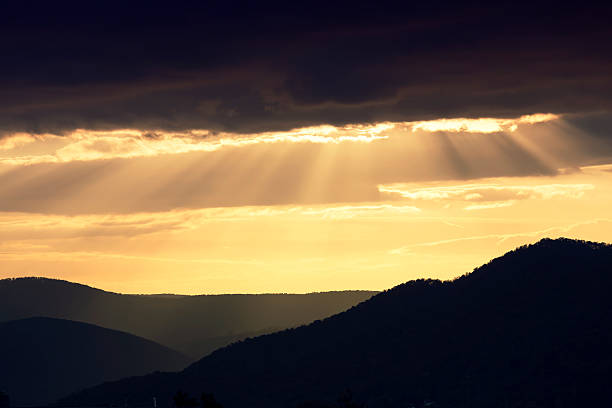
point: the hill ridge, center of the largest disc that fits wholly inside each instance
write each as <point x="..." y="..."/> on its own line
<point x="43" y="279"/>
<point x="169" y="320"/>
<point x="425" y="340"/>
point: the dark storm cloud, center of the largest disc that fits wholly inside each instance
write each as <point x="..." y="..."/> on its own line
<point x="251" y="68"/>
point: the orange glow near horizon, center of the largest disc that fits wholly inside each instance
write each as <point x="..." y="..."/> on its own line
<point x="432" y="232"/>
<point x="314" y="209"/>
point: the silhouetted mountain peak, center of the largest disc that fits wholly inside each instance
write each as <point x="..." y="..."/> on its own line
<point x="562" y="247"/>
<point x="564" y="243"/>
<point x="542" y="261"/>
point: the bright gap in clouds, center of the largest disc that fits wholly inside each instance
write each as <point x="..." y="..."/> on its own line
<point x="480" y="125"/>
<point x="84" y="145"/>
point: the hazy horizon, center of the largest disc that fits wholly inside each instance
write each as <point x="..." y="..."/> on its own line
<point x="182" y="294"/>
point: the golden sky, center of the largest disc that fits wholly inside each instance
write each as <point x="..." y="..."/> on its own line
<point x="364" y="206"/>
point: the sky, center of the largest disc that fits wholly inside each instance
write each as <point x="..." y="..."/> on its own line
<point x="252" y="148"/>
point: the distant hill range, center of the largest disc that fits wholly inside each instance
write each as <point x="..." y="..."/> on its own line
<point x="532" y="328"/>
<point x="42" y="359"/>
<point x="193" y="325"/>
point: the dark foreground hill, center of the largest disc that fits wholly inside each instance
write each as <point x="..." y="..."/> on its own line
<point x="532" y="328"/>
<point x="194" y="325"/>
<point x="42" y="359"/>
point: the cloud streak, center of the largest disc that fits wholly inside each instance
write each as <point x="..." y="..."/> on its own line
<point x="88" y="145"/>
<point x="480" y="125"/>
<point x="499" y="239"/>
<point x="21" y="225"/>
<point x="488" y="194"/>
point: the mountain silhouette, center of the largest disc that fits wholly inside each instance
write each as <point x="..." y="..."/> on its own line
<point x="193" y="325"/>
<point x="532" y="328"/>
<point x="42" y="359"/>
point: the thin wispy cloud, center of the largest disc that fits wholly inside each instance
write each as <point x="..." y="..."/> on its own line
<point x="488" y="194"/>
<point x="18" y="226"/>
<point x="499" y="239"/>
<point x="499" y="204"/>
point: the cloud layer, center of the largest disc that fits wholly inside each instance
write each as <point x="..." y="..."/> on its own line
<point x="259" y="68"/>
